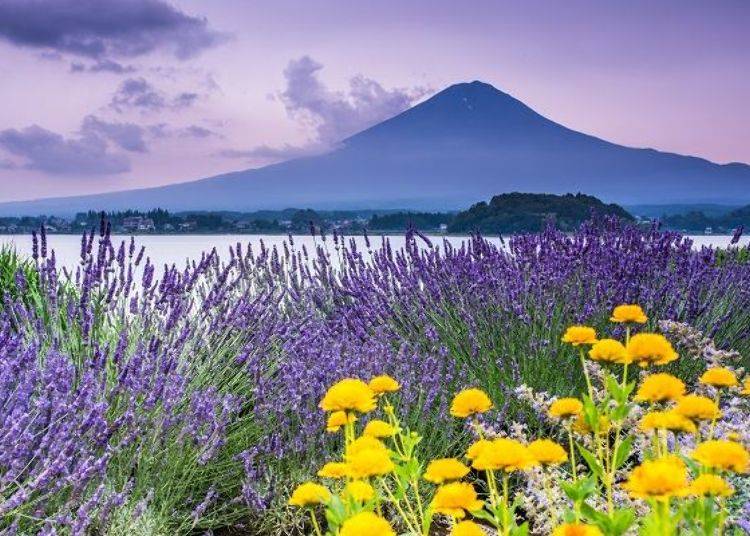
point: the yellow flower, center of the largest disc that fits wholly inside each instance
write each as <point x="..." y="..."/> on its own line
<point x="308" y="494"/>
<point x="365" y="443"/>
<point x="366" y="457"/>
<point x="658" y="479"/>
<point x="719" y="377"/>
<point x="445" y="469"/>
<point x="746" y="387"/>
<point x="697" y="408"/>
<point x="666" y="420"/>
<point x="710" y="485"/>
<point x="337" y="419"/>
<point x="378" y="428"/>
<point x="629" y="313"/>
<point x="467" y="528"/>
<point x="610" y="351"/>
<point x="505" y="455"/>
<point x="660" y="388"/>
<point x="349" y="394"/>
<point x="383" y="384"/>
<point x="576" y="529"/>
<point x="455" y="498"/>
<point x="477" y="447"/>
<point x="547" y="452"/>
<point x="723" y="455"/>
<point x="651" y="349"/>
<point x="577" y="335"/>
<point x="359" y="490"/>
<point x="334" y="470"/>
<point x="470" y="401"/>
<point x="565" y="407"/>
<point x="582" y="427"/>
<point x="366" y="524"/>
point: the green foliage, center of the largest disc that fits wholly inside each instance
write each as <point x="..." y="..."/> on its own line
<point x="519" y="212"/>
<point x="698" y="220"/>
<point x="402" y="220"/>
<point x="10" y="265"/>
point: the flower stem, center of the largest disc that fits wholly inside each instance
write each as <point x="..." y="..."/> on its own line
<point x="316" y="527"/>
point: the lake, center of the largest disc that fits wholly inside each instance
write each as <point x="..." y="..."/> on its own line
<point x="168" y="249"/>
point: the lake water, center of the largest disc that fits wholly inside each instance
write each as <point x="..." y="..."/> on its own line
<point x="168" y="249"/>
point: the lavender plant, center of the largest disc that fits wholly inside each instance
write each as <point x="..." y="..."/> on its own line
<point x="173" y="399"/>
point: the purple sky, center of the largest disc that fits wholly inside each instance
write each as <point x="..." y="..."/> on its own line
<point x="146" y="92"/>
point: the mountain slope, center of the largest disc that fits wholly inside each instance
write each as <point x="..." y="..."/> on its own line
<point x="466" y="143"/>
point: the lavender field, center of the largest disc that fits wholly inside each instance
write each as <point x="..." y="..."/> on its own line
<point x="144" y="399"/>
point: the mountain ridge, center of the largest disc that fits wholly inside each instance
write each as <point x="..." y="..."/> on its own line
<point x="468" y="142"/>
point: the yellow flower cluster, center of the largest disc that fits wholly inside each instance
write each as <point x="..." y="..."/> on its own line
<point x="379" y="472"/>
<point x="650" y="349"/>
<point x="629" y="313"/>
<point x="698" y="408"/>
<point x="503" y="454"/>
<point x="610" y="351"/>
<point x="564" y="408"/>
<point x="445" y="469"/>
<point x="660" y="387"/>
<point x="722" y="455"/>
<point x="666" y="420"/>
<point x="455" y="499"/>
<point x="547" y="452"/>
<point x="308" y="494"/>
<point x="470" y="402"/>
<point x="349" y="394"/>
<point x="578" y="335"/>
<point x="719" y="377"/>
<point x="367" y="523"/>
<point x="577" y="529"/>
<point x="659" y="479"/>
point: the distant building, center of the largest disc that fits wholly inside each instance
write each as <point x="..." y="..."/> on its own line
<point x="138" y="223"/>
<point x="187" y="226"/>
<point x="443" y="227"/>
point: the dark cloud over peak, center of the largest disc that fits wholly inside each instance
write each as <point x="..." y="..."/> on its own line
<point x="96" y="29"/>
<point x="332" y="115"/>
<point x="336" y="115"/>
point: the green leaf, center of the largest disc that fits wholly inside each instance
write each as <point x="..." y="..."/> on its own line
<point x="623" y="451"/>
<point x="592" y="462"/>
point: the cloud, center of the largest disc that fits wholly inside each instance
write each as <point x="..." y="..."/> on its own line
<point x="96" y="29"/>
<point x="52" y="153"/>
<point x="332" y="115"/>
<point x="127" y="136"/>
<point x="268" y="154"/>
<point x="164" y="131"/>
<point x="7" y="164"/>
<point x="183" y="100"/>
<point x="195" y="131"/>
<point x="335" y="115"/>
<point x="139" y="94"/>
<point x="101" y="66"/>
